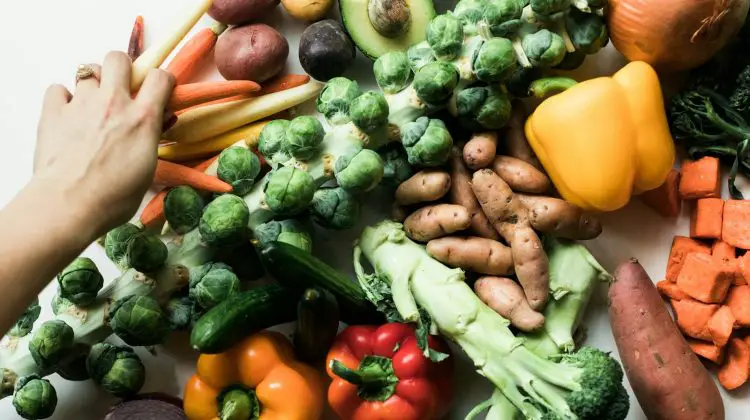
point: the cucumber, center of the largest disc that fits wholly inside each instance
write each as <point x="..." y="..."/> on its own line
<point x="242" y="314"/>
<point x="317" y="324"/>
<point x="297" y="269"/>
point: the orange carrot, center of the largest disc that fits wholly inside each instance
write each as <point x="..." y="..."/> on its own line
<point x="705" y="220"/>
<point x="681" y="247"/>
<point x="738" y="300"/>
<point x="185" y="96"/>
<point x="205" y="164"/>
<point x="135" y="46"/>
<point x="723" y="251"/>
<point x="704" y="279"/>
<point x="734" y="373"/>
<point x="700" y="179"/>
<point x="667" y="289"/>
<point x="283" y="82"/>
<point x="705" y="350"/>
<point x="153" y="214"/>
<point x="736" y="226"/>
<point x="692" y="317"/>
<point x="171" y="174"/>
<point x="721" y="325"/>
<point x="666" y="198"/>
<point x="188" y="59"/>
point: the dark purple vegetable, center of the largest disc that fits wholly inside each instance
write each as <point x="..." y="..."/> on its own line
<point x="235" y="12"/>
<point x="254" y="52"/>
<point x="325" y="50"/>
<point x="154" y="406"/>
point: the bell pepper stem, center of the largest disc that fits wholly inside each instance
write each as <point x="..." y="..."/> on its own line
<point x="374" y="377"/>
<point x="540" y="88"/>
<point x="238" y="403"/>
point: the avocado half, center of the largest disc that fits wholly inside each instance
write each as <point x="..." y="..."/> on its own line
<point x="357" y="23"/>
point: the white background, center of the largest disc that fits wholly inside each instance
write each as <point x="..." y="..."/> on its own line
<point x="43" y="41"/>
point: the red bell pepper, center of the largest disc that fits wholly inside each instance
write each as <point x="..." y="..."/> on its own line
<point x="381" y="373"/>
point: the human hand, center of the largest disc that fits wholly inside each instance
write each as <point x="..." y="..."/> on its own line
<point x="99" y="146"/>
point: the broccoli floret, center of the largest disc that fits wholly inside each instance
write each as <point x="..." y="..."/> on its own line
<point x="740" y="97"/>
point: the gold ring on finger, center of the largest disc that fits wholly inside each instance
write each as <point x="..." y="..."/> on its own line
<point x="84" y="72"/>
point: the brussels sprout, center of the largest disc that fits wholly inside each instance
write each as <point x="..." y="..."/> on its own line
<point x="549" y="9"/>
<point x="495" y="61"/>
<point x="503" y="17"/>
<point x="138" y="321"/>
<point x="50" y="343"/>
<point x="544" y="48"/>
<point x="369" y="111"/>
<point x="34" y="397"/>
<point x="392" y="71"/>
<point x="212" y="283"/>
<point x="180" y="312"/>
<point x="334" y="99"/>
<point x="434" y="83"/>
<point x="519" y="82"/>
<point x="116" y="243"/>
<point x="290" y="231"/>
<point x="419" y="55"/>
<point x="587" y="31"/>
<point x="146" y="252"/>
<point x="61" y="305"/>
<point x="224" y="221"/>
<point x="483" y="108"/>
<point x="470" y="12"/>
<point x="74" y="368"/>
<point x="238" y="166"/>
<point x="183" y="207"/>
<point x="396" y="165"/>
<point x="427" y="142"/>
<point x="359" y="171"/>
<point x="117" y="369"/>
<point x="80" y="282"/>
<point x="272" y="139"/>
<point x="303" y="138"/>
<point x="445" y="35"/>
<point x="572" y="61"/>
<point x="335" y="208"/>
<point x="243" y="259"/>
<point x="289" y="190"/>
<point x="25" y="323"/>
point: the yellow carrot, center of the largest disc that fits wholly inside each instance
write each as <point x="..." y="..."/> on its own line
<point x="180" y="152"/>
<point x="209" y="121"/>
<point x="154" y="56"/>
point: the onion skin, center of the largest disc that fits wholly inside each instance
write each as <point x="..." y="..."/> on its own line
<point x="667" y="33"/>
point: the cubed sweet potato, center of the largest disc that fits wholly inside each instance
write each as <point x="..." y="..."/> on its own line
<point x="742" y="275"/>
<point x="738" y="300"/>
<point x="681" y="247"/>
<point x="700" y="179"/>
<point x="721" y="325"/>
<point x="736" y="223"/>
<point x="704" y="279"/>
<point x="692" y="317"/>
<point x="723" y="250"/>
<point x="665" y="199"/>
<point x="705" y="220"/>
<point x="670" y="290"/>
<point x="735" y="371"/>
<point x="708" y="351"/>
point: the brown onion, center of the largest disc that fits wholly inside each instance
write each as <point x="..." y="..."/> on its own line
<point x="674" y="35"/>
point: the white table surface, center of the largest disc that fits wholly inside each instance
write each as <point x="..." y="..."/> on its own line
<point x="43" y="41"/>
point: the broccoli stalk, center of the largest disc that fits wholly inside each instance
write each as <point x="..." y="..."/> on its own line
<point x="582" y="385"/>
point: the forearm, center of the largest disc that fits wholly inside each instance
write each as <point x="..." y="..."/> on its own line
<point x="41" y="230"/>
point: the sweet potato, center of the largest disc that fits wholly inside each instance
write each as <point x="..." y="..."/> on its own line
<point x="480" y="150"/>
<point x="515" y="142"/>
<point x="708" y="351"/>
<point x="742" y="275"/>
<point x="234" y="12"/>
<point x="511" y="220"/>
<point x="665" y="199"/>
<point x="426" y="185"/>
<point x="705" y="220"/>
<point x="681" y="247"/>
<point x="705" y="279"/>
<point x="738" y="300"/>
<point x="559" y="218"/>
<point x="434" y="221"/>
<point x="700" y="179"/>
<point x="723" y="251"/>
<point x="670" y="290"/>
<point x="481" y="255"/>
<point x="734" y="373"/>
<point x="736" y="223"/>
<point x="692" y="317"/>
<point x="461" y="194"/>
<point x="668" y="380"/>
<point x="506" y="298"/>
<point x="721" y="325"/>
<point x="521" y="176"/>
<point x="254" y="52"/>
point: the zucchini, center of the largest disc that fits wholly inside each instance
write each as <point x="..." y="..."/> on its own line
<point x="297" y="269"/>
<point x="243" y="314"/>
<point x="317" y="324"/>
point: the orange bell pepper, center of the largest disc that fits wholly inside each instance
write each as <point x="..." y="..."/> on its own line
<point x="258" y="378"/>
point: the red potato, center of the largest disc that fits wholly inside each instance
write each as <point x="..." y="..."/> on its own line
<point x="667" y="378"/>
<point x="235" y="12"/>
<point x="254" y="52"/>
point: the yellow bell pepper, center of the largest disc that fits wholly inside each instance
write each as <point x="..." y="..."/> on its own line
<point x="605" y="139"/>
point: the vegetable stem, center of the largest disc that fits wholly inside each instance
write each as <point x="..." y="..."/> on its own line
<point x="374" y="377"/>
<point x="540" y="88"/>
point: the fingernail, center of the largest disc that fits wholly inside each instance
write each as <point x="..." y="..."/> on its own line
<point x="170" y="119"/>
